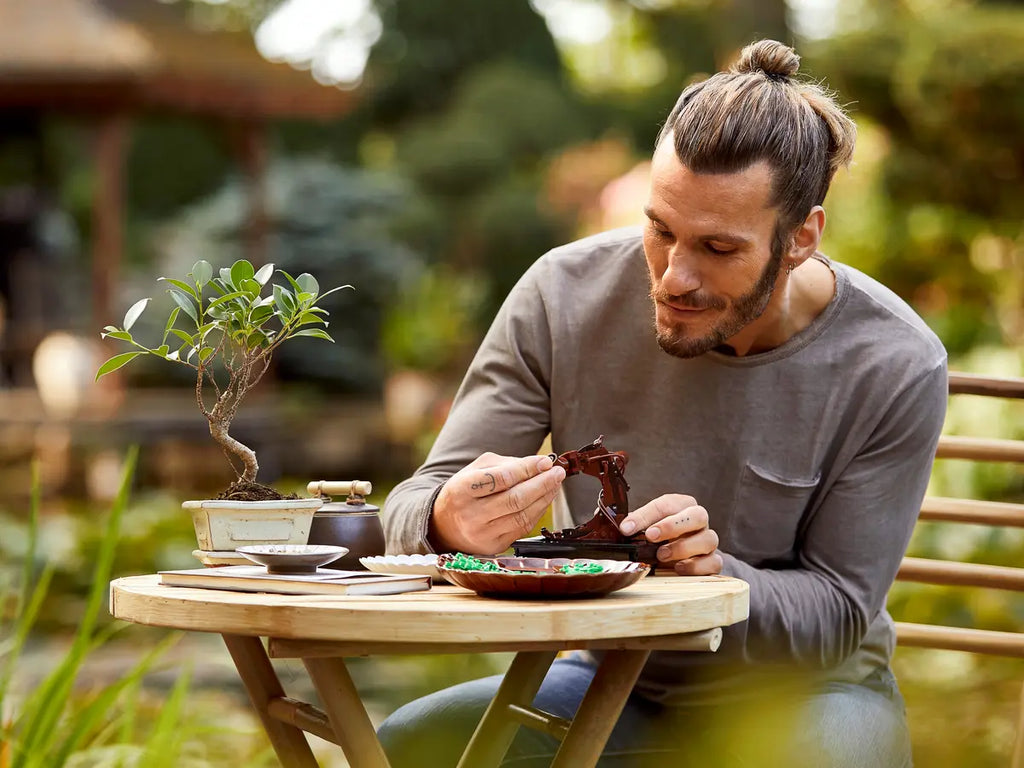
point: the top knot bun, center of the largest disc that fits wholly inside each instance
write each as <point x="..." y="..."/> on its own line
<point x="776" y="60"/>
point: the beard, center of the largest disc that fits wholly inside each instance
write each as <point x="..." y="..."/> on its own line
<point x="744" y="311"/>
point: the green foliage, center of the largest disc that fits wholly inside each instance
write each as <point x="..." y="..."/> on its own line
<point x="432" y="326"/>
<point x="368" y="228"/>
<point x="945" y="88"/>
<point x="426" y="49"/>
<point x="232" y="323"/>
<point x="235" y="325"/>
<point x="50" y="726"/>
<point x="173" y="160"/>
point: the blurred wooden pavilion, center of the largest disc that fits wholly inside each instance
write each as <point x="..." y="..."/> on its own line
<point x="109" y="60"/>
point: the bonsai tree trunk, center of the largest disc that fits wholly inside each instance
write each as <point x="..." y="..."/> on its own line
<point x="232" y="447"/>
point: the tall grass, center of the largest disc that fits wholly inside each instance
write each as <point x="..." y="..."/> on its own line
<point x="54" y="725"/>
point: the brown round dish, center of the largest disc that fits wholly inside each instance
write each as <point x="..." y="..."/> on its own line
<point x="538" y="578"/>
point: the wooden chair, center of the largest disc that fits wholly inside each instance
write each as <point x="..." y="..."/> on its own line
<point x="961" y="574"/>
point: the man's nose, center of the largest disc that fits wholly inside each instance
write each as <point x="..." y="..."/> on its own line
<point x="682" y="275"/>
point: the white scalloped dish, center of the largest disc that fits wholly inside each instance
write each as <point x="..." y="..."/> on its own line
<point x="423" y="565"/>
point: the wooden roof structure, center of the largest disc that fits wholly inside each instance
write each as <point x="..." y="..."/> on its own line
<point x="131" y="55"/>
<point x="108" y="60"/>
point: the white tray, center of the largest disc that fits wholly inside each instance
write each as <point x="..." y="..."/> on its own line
<point x="425" y="565"/>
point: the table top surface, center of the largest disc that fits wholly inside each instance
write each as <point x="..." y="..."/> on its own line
<point x="656" y="605"/>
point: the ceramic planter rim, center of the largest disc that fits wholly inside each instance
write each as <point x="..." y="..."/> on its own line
<point x="312" y="503"/>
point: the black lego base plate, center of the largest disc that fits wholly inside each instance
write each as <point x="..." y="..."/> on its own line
<point x="538" y="546"/>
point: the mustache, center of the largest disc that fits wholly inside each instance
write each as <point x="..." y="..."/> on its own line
<point x="693" y="300"/>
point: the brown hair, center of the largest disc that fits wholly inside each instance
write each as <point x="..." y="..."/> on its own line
<point x="757" y="111"/>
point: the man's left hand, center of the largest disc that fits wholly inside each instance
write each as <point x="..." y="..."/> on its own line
<point x="689" y="545"/>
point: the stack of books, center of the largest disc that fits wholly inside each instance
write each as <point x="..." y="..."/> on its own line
<point x="322" y="581"/>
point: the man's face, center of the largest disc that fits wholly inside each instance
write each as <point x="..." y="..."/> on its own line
<point x="708" y="242"/>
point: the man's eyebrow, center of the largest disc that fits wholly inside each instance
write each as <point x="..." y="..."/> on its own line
<point x="649" y="213"/>
<point x="724" y="237"/>
<point x="718" y="237"/>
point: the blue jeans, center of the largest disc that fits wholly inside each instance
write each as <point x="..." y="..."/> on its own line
<point x="840" y="725"/>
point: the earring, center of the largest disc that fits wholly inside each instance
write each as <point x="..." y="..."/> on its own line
<point x="790" y="268"/>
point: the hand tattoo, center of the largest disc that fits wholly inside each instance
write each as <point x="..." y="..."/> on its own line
<point x="493" y="483"/>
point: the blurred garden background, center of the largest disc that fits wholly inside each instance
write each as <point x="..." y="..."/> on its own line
<point x="426" y="153"/>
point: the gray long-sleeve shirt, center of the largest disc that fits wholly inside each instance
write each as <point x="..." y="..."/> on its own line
<point x="811" y="458"/>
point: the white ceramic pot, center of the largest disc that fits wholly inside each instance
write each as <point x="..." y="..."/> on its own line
<point x="222" y="525"/>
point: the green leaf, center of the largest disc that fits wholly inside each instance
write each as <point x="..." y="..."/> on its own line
<point x="295" y="286"/>
<point x="308" y="283"/>
<point x="182" y="335"/>
<point x="116" y="362"/>
<point x="162" y="350"/>
<point x="202" y="272"/>
<point x="260" y="314"/>
<point x="265" y="272"/>
<point x="182" y="285"/>
<point x="241" y="270"/>
<point x="170" y="322"/>
<point x="204" y="353"/>
<point x="316" y="333"/>
<point x="122" y="335"/>
<point x="334" y="290"/>
<point x="224" y="299"/>
<point x="186" y="303"/>
<point x="251" y="287"/>
<point x="306" y="317"/>
<point x="284" y="300"/>
<point x="133" y="313"/>
<point x="255" y="338"/>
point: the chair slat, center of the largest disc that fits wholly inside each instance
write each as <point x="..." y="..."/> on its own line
<point x="979" y="448"/>
<point x="960" y="639"/>
<point x="950" y="573"/>
<point x="998" y="513"/>
<point x="973" y="384"/>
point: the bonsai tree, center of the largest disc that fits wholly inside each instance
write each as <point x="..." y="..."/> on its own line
<point x="232" y="331"/>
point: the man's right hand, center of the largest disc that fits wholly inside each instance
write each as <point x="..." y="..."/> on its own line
<point x="492" y="502"/>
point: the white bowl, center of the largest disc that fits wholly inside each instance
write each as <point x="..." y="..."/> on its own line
<point x="423" y="565"/>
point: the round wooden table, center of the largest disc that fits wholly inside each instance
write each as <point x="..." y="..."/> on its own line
<point x="670" y="613"/>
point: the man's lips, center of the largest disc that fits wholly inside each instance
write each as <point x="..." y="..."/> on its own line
<point x="682" y="308"/>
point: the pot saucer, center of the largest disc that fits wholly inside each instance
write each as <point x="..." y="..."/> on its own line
<point x="291" y="558"/>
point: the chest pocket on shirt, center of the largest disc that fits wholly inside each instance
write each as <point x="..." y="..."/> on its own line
<point x="766" y="514"/>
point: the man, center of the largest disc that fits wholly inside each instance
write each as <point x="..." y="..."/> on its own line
<point x="786" y="438"/>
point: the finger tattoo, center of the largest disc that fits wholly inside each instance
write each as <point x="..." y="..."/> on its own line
<point x="490" y="484"/>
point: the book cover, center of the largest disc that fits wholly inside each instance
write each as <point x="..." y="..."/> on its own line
<point x="323" y="581"/>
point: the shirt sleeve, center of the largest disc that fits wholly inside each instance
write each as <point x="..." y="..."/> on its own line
<point x="817" y="613"/>
<point x="502" y="406"/>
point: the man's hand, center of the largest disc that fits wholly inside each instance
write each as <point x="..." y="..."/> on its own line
<point x="492" y="502"/>
<point x="691" y="547"/>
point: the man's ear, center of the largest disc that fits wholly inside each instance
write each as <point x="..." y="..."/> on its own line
<point x="807" y="237"/>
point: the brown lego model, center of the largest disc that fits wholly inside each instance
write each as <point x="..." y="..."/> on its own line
<point x="600" y="536"/>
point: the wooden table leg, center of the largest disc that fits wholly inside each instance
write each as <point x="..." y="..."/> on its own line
<point x="494" y="734"/>
<point x="263" y="686"/>
<point x="346" y="712"/>
<point x="600" y="709"/>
